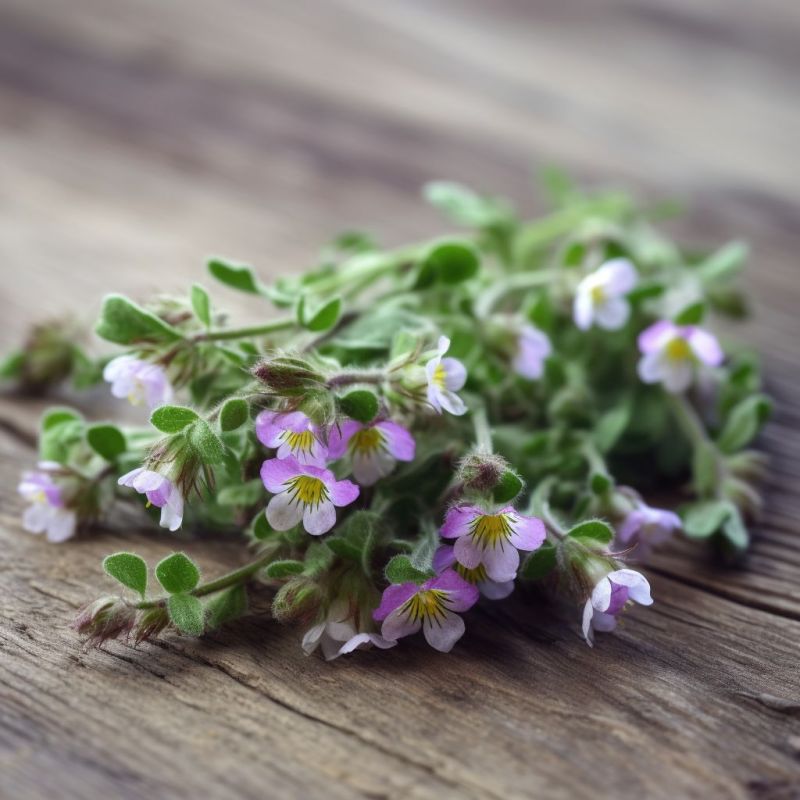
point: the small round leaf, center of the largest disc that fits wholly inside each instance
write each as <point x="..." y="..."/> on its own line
<point x="177" y="573"/>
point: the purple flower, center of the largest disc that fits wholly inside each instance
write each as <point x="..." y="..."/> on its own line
<point x="647" y="527"/>
<point x="670" y="354"/>
<point x="138" y="381"/>
<point x="609" y="597"/>
<point x="445" y="558"/>
<point x="600" y="296"/>
<point x="293" y="434"/>
<point x="160" y="492"/>
<point x="304" y="492"/>
<point x="47" y="512"/>
<point x="445" y="377"/>
<point x="533" y="348"/>
<point x="374" y="449"/>
<point x="407" y="607"/>
<point x="492" y="540"/>
<point x="337" y="634"/>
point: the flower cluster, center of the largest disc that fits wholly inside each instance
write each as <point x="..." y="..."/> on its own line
<point x="427" y="429"/>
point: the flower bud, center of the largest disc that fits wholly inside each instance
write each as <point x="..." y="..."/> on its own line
<point x="481" y="472"/>
<point x="106" y="618"/>
<point x="150" y="623"/>
<point x="49" y="355"/>
<point x="299" y="599"/>
<point x="287" y="376"/>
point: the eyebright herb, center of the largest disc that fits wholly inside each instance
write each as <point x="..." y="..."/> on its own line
<point x="414" y="430"/>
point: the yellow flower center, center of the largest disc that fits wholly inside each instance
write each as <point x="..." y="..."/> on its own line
<point x="598" y="295"/>
<point x="489" y="530"/>
<point x="301" y="442"/>
<point x="427" y="604"/>
<point x="440" y="376"/>
<point x="366" y="441"/>
<point x="475" y="575"/>
<point x="307" y="490"/>
<point x="678" y="349"/>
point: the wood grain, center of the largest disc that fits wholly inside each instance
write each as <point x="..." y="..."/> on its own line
<point x="138" y="137"/>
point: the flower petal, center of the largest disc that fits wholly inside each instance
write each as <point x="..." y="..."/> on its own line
<point x="612" y="314"/>
<point x="311" y="638"/>
<point x="364" y="640"/>
<point x="393" y="597"/>
<point x="501" y="562"/>
<point x="455" y="374"/>
<point x="677" y="376"/>
<point x="340" y="436"/>
<point x="461" y="593"/>
<point x="320" y="518"/>
<point x="399" y="624"/>
<point x="276" y="472"/>
<point x="442" y="633"/>
<point x="467" y="553"/>
<point x="582" y="310"/>
<point x="618" y="276"/>
<point x="496" y="590"/>
<point x="651" y="367"/>
<point x="452" y="403"/>
<point x="706" y="347"/>
<point x="653" y="339"/>
<point x="443" y="558"/>
<point x="342" y="493"/>
<point x="284" y="512"/>
<point x="458" y="520"/>
<point x="400" y="442"/>
<point x="527" y="533"/>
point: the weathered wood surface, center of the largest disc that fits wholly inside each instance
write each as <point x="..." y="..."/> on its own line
<point x="137" y="137"/>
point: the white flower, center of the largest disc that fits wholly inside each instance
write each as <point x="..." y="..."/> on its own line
<point x="609" y="597"/>
<point x="160" y="492"/>
<point x="337" y="635"/>
<point x="46" y="513"/>
<point x="600" y="297"/>
<point x="138" y="381"/>
<point x="533" y="348"/>
<point x="445" y="377"/>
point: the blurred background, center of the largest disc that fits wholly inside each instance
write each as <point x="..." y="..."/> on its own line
<point x="138" y="137"/>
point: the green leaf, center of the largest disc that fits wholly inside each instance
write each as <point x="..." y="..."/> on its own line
<point x="600" y="482"/>
<point x="452" y="262"/>
<point x="400" y="570"/>
<point x="317" y="559"/>
<point x="723" y="264"/>
<point x="261" y="528"/>
<point x="106" y="440"/>
<point x="206" y="443"/>
<point x="201" y="304"/>
<point x="54" y="417"/>
<point x="463" y="205"/>
<point x="744" y="422"/>
<point x="12" y="365"/>
<point x="539" y="563"/>
<point x="129" y="569"/>
<point x="226" y="605"/>
<point x="241" y="494"/>
<point x="172" y="419"/>
<point x="704" y="517"/>
<point x="509" y="486"/>
<point x="186" y="613"/>
<point x="360" y="405"/>
<point x="234" y="413"/>
<point x="704" y="469"/>
<point x="319" y="319"/>
<point x="237" y="276"/>
<point x="177" y="573"/>
<point x="593" y="531"/>
<point x="284" y="569"/>
<point x="610" y="427"/>
<point x="692" y="314"/>
<point x="124" y="322"/>
<point x="735" y="531"/>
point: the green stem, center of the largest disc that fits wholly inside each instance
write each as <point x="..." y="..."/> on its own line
<point x="688" y="420"/>
<point x="237" y="576"/>
<point x="513" y="283"/>
<point x="483" y="432"/>
<point x="540" y="507"/>
<point x="244" y="333"/>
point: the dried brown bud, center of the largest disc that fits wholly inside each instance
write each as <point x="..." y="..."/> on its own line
<point x="287" y="376"/>
<point x="150" y="623"/>
<point x="481" y="472"/>
<point x="106" y="618"/>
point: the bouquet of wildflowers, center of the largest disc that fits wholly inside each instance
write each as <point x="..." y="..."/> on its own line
<point x="416" y="430"/>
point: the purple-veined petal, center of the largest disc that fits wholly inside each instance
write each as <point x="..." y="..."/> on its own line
<point x="116" y="367"/>
<point x="458" y="520"/>
<point x="398" y="624"/>
<point x="468" y="554"/>
<point x="342" y="493"/>
<point x="399" y="441"/>
<point x="393" y="597"/>
<point x="442" y="632"/>
<point x="268" y="432"/>
<point x="340" y="436"/>
<point x="320" y="518"/>
<point x="284" y="512"/>
<point x="462" y="594"/>
<point x="369" y="468"/>
<point x="128" y="477"/>
<point x="172" y="511"/>
<point x="148" y="481"/>
<point x="617" y="599"/>
<point x="638" y="586"/>
<point x="527" y="533"/>
<point x="501" y="562"/>
<point x="496" y="590"/>
<point x="443" y="558"/>
<point x="276" y="472"/>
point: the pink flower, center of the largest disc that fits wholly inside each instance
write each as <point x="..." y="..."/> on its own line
<point x="47" y="512"/>
<point x="304" y="492"/>
<point x="336" y="635"/>
<point x="407" y="607"/>
<point x="492" y="540"/>
<point x="609" y="597"/>
<point x="374" y="449"/>
<point x="647" y="527"/>
<point x="533" y="348"/>
<point x="445" y="377"/>
<point x="670" y="354"/>
<point x="138" y="381"/>
<point x="293" y="434"/>
<point x="160" y="492"/>
<point x="600" y="296"/>
<point x="445" y="558"/>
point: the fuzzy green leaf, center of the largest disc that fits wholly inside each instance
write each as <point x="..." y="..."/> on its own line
<point x="237" y="276"/>
<point x="539" y="563"/>
<point x="284" y="569"/>
<point x="129" y="569"/>
<point x="593" y="531"/>
<point x="177" y="573"/>
<point x="735" y="531"/>
<point x="723" y="264"/>
<point x="172" y="419"/>
<point x="360" y="405"/>
<point x="692" y="314"/>
<point x="319" y="319"/>
<point x="106" y="440"/>
<point x="452" y="262"/>
<point x="187" y="614"/>
<point x="609" y="428"/>
<point x="226" y="606"/>
<point x="124" y="322"/>
<point x="705" y="517"/>
<point x="400" y="570"/>
<point x="509" y="486"/>
<point x="12" y="365"/>
<point x="241" y="494"/>
<point x="744" y="422"/>
<point x="233" y="414"/>
<point x="206" y="443"/>
<point x="54" y="417"/>
<point x="201" y="304"/>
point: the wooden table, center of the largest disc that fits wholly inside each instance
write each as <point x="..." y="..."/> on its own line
<point x="137" y="137"/>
